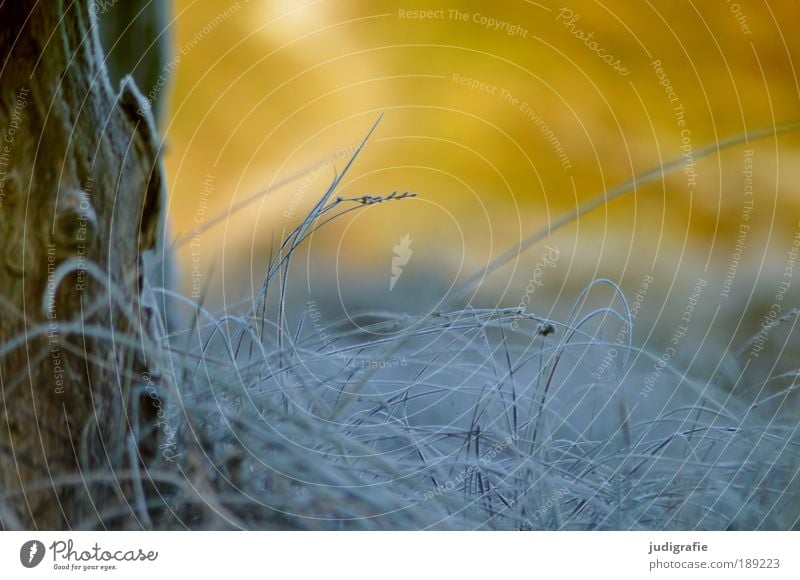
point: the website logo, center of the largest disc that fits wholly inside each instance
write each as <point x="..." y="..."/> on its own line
<point x="31" y="553"/>
<point x="402" y="254"/>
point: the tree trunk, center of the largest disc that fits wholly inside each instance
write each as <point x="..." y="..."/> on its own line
<point x="136" y="36"/>
<point x="80" y="201"/>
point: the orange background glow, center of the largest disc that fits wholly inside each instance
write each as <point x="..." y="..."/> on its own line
<point x="500" y="116"/>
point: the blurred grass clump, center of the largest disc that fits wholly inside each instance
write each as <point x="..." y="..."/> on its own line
<point x="464" y="418"/>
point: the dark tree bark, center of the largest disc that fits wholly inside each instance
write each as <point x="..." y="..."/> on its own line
<point x="80" y="203"/>
<point x="136" y="37"/>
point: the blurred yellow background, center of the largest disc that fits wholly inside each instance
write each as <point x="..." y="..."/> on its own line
<point x="501" y="116"/>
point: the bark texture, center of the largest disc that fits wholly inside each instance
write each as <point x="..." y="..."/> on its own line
<point x="80" y="202"/>
<point x="136" y="36"/>
<point x="137" y="39"/>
